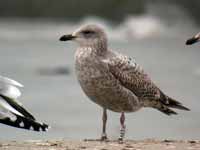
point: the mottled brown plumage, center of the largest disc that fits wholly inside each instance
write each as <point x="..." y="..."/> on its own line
<point x="112" y="80"/>
<point x="133" y="77"/>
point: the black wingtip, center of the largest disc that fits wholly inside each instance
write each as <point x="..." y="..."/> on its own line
<point x="25" y="123"/>
<point x="18" y="107"/>
<point x="45" y="127"/>
<point x="175" y="104"/>
<point x="172" y="103"/>
<point x="183" y="108"/>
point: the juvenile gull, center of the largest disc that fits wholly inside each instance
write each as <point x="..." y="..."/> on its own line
<point x="114" y="81"/>
<point x="12" y="112"/>
<point x="193" y="40"/>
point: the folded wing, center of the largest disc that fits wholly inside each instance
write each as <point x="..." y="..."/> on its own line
<point x="132" y="77"/>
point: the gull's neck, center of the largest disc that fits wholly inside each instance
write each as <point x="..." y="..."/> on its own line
<point x="98" y="48"/>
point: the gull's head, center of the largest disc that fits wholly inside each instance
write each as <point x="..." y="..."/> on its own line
<point x="89" y="35"/>
<point x="193" y="40"/>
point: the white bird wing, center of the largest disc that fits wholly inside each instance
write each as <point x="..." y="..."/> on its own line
<point x="5" y="107"/>
<point x="8" y="87"/>
<point x="12" y="112"/>
<point x="10" y="116"/>
<point x="6" y="80"/>
<point x="6" y="111"/>
<point x="8" y="97"/>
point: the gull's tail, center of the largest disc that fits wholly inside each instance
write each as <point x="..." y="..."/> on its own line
<point x="167" y="102"/>
<point x="24" y="123"/>
<point x="175" y="104"/>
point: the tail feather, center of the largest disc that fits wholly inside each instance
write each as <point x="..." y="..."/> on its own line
<point x="169" y="102"/>
<point x="165" y="103"/>
<point x="175" y="104"/>
<point x="25" y="123"/>
<point x="166" y="110"/>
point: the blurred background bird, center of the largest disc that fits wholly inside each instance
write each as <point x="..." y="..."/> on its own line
<point x="12" y="112"/>
<point x="193" y="40"/>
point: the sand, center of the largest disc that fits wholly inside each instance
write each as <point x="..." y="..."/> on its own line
<point x="148" y="144"/>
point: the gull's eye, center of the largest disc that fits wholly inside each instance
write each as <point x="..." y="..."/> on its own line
<point x="87" y="32"/>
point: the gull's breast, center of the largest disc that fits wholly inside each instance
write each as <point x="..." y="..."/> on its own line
<point x="100" y="86"/>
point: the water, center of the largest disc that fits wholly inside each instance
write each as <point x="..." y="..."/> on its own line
<point x="28" y="47"/>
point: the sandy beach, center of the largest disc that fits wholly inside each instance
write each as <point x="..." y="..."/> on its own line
<point x="148" y="144"/>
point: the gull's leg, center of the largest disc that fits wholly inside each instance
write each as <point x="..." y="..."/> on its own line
<point x="104" y="118"/>
<point x="123" y="127"/>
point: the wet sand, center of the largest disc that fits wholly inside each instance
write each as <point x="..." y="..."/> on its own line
<point x="149" y="144"/>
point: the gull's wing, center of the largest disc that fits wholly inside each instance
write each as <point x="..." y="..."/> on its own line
<point x="15" y="107"/>
<point x="5" y="80"/>
<point x="11" y="117"/>
<point x="9" y="88"/>
<point x="132" y="77"/>
<point x="9" y="94"/>
<point x="11" y="111"/>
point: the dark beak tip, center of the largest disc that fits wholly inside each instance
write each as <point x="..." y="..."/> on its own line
<point x="66" y="37"/>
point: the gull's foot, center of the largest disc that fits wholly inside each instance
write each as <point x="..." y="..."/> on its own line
<point x="120" y="140"/>
<point x="104" y="138"/>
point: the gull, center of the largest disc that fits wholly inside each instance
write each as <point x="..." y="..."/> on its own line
<point x="113" y="80"/>
<point x="12" y="112"/>
<point x="193" y="40"/>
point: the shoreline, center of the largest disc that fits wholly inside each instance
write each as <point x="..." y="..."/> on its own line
<point x="148" y="144"/>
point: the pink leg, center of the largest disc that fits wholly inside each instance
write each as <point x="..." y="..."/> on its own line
<point x="123" y="127"/>
<point x="104" y="118"/>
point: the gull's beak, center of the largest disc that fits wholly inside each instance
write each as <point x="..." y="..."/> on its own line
<point x="193" y="40"/>
<point x="67" y="37"/>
